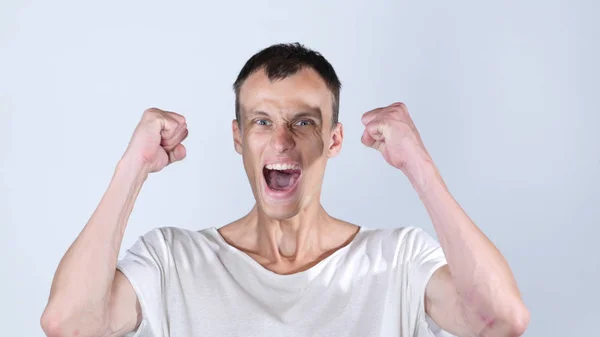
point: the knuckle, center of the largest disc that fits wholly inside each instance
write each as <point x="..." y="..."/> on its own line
<point x="151" y="110"/>
<point x="398" y="107"/>
<point x="391" y="114"/>
<point x="151" y="113"/>
<point x="178" y="118"/>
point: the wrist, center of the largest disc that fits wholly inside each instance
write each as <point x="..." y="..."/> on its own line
<point x="425" y="177"/>
<point x="132" y="169"/>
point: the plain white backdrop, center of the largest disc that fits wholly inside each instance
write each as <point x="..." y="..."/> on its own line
<point x="504" y="93"/>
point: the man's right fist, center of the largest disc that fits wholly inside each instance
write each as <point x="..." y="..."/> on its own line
<point x="157" y="139"/>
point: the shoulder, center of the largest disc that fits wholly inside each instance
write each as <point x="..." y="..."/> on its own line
<point x="402" y="244"/>
<point x="399" y="236"/>
<point x="169" y="239"/>
<point x="171" y="234"/>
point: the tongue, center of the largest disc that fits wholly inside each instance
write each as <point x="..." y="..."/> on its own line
<point x="280" y="180"/>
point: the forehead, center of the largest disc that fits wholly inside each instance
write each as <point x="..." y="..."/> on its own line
<point x="304" y="89"/>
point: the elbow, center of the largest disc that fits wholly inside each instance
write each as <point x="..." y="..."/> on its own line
<point x="518" y="321"/>
<point x="51" y="324"/>
<point x="55" y="323"/>
<point x="512" y="323"/>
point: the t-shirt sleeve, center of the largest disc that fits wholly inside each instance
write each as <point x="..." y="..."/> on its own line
<point x="423" y="256"/>
<point x="145" y="265"/>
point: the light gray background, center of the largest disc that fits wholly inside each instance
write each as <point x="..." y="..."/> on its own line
<point x="505" y="95"/>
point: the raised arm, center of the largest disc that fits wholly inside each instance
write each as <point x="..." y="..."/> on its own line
<point x="475" y="294"/>
<point x="89" y="297"/>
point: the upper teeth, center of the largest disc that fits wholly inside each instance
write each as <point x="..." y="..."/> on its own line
<point x="281" y="167"/>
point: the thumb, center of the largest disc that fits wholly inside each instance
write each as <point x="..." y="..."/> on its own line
<point x="177" y="154"/>
<point x="373" y="136"/>
<point x="367" y="139"/>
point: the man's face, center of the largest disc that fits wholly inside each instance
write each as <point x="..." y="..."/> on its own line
<point x="285" y="139"/>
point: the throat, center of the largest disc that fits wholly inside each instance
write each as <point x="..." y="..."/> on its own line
<point x="288" y="249"/>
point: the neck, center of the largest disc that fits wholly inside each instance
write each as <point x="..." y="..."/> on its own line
<point x="290" y="245"/>
<point x="294" y="239"/>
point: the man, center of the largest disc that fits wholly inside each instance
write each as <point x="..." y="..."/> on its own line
<point x="287" y="268"/>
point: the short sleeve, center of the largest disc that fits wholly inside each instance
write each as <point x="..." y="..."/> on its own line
<point x="144" y="265"/>
<point x="423" y="256"/>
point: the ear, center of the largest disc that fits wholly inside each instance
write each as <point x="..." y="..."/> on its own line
<point x="335" y="141"/>
<point x="237" y="136"/>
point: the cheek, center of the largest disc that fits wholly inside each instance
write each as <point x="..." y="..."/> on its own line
<point x="254" y="142"/>
<point x="312" y="142"/>
<point x="253" y="147"/>
<point x="321" y="139"/>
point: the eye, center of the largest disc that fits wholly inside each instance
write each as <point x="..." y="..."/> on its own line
<point x="304" y="122"/>
<point x="262" y="122"/>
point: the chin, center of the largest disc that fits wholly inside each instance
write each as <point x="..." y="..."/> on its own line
<point x="277" y="212"/>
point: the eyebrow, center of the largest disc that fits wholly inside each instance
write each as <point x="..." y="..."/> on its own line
<point x="310" y="112"/>
<point x="257" y="113"/>
<point x="305" y="112"/>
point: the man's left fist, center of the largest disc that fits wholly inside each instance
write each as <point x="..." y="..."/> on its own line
<point x="391" y="131"/>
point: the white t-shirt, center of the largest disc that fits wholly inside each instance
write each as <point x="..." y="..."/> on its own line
<point x="193" y="283"/>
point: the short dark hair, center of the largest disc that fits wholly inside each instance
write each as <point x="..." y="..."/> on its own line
<point x="286" y="59"/>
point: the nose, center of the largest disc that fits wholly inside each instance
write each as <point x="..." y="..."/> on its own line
<point x="282" y="140"/>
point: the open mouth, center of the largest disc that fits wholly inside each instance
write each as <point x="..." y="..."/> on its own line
<point x="281" y="177"/>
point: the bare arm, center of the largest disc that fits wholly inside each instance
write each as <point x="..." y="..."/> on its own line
<point x="475" y="294"/>
<point x="89" y="297"/>
<point x="80" y="296"/>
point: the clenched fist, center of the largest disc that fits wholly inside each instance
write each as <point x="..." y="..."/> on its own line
<point x="391" y="131"/>
<point x="156" y="141"/>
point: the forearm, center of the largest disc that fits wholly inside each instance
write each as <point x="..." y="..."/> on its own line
<point x="82" y="282"/>
<point x="486" y="287"/>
